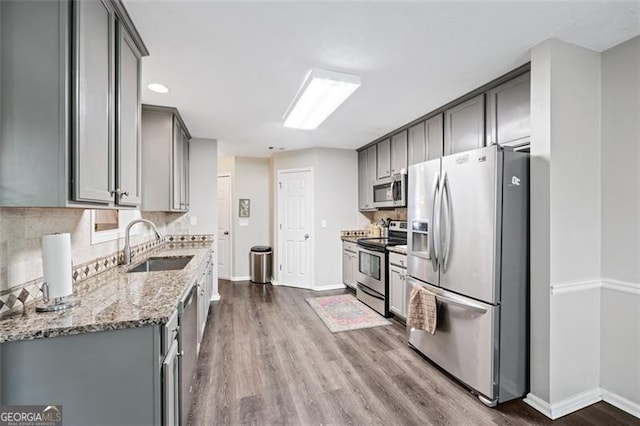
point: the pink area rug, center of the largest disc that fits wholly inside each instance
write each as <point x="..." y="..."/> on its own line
<point x="345" y="313"/>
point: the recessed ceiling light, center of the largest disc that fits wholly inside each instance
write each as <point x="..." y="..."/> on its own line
<point x="321" y="93"/>
<point x="158" y="88"/>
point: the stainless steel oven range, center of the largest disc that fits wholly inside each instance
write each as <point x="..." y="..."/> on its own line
<point x="373" y="277"/>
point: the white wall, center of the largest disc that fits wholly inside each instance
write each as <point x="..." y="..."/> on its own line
<point x="565" y="212"/>
<point x="203" y="192"/>
<point x="249" y="179"/>
<point x="620" y="322"/>
<point x="336" y="201"/>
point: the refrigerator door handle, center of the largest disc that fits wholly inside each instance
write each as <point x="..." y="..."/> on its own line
<point x="462" y="303"/>
<point x="434" y="250"/>
<point x="447" y="245"/>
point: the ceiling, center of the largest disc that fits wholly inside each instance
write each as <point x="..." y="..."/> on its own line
<point x="233" y="67"/>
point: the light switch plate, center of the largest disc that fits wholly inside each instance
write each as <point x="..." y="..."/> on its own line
<point x="323" y="223"/>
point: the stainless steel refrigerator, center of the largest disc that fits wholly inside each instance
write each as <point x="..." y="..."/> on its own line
<point x="468" y="244"/>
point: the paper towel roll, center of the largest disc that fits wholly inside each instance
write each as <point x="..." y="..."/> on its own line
<point x="56" y="263"/>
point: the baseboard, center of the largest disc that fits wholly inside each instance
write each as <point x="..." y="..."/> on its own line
<point x="566" y="406"/>
<point x="247" y="278"/>
<point x="330" y="287"/>
<point x="539" y="404"/>
<point x="275" y="283"/>
<point x="621" y="402"/>
<point x="215" y="297"/>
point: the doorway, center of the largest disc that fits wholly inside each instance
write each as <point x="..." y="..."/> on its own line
<point x="295" y="221"/>
<point x="224" y="227"/>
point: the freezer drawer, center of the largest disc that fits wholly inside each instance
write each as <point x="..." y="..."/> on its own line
<point x="465" y="341"/>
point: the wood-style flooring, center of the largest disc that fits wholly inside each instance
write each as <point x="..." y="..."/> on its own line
<point x="267" y="358"/>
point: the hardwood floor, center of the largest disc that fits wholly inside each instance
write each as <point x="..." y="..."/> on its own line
<point x="266" y="358"/>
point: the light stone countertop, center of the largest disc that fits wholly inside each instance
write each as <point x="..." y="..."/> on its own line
<point x="397" y="249"/>
<point x="115" y="299"/>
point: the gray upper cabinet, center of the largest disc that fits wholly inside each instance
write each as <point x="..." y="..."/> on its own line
<point x="165" y="160"/>
<point x="509" y="111"/>
<point x="398" y="152"/>
<point x="384" y="159"/>
<point x="63" y="110"/>
<point x="464" y="126"/>
<point x="366" y="176"/>
<point x="417" y="145"/>
<point x="434" y="131"/>
<point x="94" y="138"/>
<point x="128" y="129"/>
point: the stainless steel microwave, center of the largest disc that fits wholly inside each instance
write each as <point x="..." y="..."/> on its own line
<point x="390" y="191"/>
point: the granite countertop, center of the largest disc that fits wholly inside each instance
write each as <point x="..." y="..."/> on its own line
<point x="115" y="299"/>
<point x="397" y="249"/>
<point x="352" y="239"/>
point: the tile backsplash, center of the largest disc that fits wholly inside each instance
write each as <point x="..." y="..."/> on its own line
<point x="21" y="231"/>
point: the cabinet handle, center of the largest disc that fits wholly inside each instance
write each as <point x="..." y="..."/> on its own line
<point x="181" y="353"/>
<point x="120" y="192"/>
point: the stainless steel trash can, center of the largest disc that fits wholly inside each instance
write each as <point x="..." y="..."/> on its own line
<point x="260" y="264"/>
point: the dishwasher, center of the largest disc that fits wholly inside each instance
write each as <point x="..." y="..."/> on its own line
<point x="188" y="320"/>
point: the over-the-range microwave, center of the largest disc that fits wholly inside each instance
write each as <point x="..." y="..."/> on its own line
<point x="390" y="191"/>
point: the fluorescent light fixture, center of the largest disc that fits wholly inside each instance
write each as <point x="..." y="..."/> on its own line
<point x="158" y="88"/>
<point x="321" y="93"/>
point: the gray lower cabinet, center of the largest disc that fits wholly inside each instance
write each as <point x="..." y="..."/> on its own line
<point x="464" y="126"/>
<point x="205" y="288"/>
<point x="349" y="263"/>
<point x="165" y="160"/>
<point x="61" y="67"/>
<point x="366" y="177"/>
<point x="107" y="377"/>
<point x="509" y="112"/>
<point x="383" y="159"/>
<point x="398" y="296"/>
<point x="398" y="152"/>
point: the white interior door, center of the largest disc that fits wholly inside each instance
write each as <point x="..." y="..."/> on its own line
<point x="224" y="227"/>
<point x="295" y="208"/>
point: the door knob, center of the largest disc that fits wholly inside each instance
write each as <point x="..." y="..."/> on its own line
<point x="306" y="236"/>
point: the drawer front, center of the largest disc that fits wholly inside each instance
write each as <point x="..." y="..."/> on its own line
<point x="347" y="245"/>
<point x="398" y="259"/>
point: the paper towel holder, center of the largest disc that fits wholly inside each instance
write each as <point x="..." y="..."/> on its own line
<point x="57" y="304"/>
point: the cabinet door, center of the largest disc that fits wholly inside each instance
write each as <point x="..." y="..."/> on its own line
<point x="434" y="131"/>
<point x="128" y="123"/>
<point x="399" y="152"/>
<point x="185" y="172"/>
<point x="417" y="145"/>
<point x="464" y="126"/>
<point x="370" y="176"/>
<point x="93" y="144"/>
<point x="384" y="159"/>
<point x="509" y="112"/>
<point x="362" y="180"/>
<point x="347" y="270"/>
<point x="178" y="167"/>
<point x="396" y="290"/>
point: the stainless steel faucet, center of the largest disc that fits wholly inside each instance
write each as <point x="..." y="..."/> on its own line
<point x="127" y="238"/>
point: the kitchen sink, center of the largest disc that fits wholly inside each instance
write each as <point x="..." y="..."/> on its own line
<point x="165" y="263"/>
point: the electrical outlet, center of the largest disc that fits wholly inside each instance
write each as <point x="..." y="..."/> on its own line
<point x="194" y="220"/>
<point x="323" y="223"/>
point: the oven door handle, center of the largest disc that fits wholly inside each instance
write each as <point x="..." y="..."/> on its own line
<point x="371" y="293"/>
